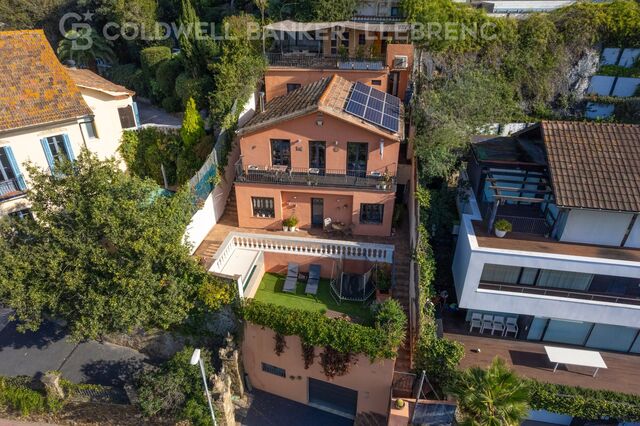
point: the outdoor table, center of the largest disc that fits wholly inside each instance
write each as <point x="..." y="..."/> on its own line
<point x="575" y="357"/>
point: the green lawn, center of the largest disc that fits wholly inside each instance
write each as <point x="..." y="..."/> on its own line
<point x="270" y="291"/>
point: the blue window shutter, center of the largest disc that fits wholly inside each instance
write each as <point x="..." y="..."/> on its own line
<point x="67" y="146"/>
<point x="136" y="114"/>
<point x="47" y="153"/>
<point x="14" y="166"/>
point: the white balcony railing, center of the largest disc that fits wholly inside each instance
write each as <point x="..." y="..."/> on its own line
<point x="301" y="247"/>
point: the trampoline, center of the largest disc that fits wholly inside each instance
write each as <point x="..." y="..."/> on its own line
<point x="352" y="287"/>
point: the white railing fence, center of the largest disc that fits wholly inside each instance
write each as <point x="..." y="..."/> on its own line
<point x="297" y="246"/>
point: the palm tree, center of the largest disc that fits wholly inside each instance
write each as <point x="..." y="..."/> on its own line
<point x="262" y="5"/>
<point x="84" y="46"/>
<point x="492" y="397"/>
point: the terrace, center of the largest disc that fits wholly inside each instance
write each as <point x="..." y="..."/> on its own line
<point x="270" y="291"/>
<point x="316" y="60"/>
<point x="284" y="175"/>
<point x="530" y="360"/>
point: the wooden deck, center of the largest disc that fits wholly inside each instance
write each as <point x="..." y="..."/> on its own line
<point x="536" y="243"/>
<point x="529" y="360"/>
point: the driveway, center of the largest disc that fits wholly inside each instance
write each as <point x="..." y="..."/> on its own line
<point x="151" y="114"/>
<point x="266" y="409"/>
<point x="34" y="353"/>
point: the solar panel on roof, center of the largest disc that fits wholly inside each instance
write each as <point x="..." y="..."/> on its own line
<point x="374" y="106"/>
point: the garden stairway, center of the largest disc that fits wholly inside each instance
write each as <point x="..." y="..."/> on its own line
<point x="402" y="264"/>
<point x="209" y="246"/>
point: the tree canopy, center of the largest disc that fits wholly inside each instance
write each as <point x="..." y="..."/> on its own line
<point x="104" y="252"/>
<point x="495" y="396"/>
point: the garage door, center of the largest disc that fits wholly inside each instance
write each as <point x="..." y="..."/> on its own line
<point x="333" y="398"/>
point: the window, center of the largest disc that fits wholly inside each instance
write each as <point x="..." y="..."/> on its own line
<point x="395" y="11"/>
<point x="280" y="152"/>
<point x="6" y="170"/>
<point x="292" y="86"/>
<point x="371" y="213"/>
<point x="272" y="369"/>
<point x="58" y="148"/>
<point x="89" y="129"/>
<point x="263" y="207"/>
<point x="22" y="214"/>
<point x="376" y="82"/>
<point x="362" y="39"/>
<point x="127" y="117"/>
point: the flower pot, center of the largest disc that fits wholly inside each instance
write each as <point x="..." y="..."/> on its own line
<point x="285" y="228"/>
<point x="293" y="228"/>
<point x="500" y="233"/>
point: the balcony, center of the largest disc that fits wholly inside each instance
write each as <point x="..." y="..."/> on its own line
<point x="316" y="60"/>
<point x="555" y="292"/>
<point x="11" y="188"/>
<point x="526" y="219"/>
<point x="315" y="177"/>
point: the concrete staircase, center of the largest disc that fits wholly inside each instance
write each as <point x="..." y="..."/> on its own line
<point x="209" y="247"/>
<point x="402" y="262"/>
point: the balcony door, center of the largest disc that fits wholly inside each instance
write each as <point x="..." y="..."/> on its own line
<point x="8" y="182"/>
<point x="357" y="155"/>
<point x="317" y="211"/>
<point x="318" y="155"/>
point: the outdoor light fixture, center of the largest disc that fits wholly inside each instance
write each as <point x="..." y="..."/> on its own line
<point x="381" y="148"/>
<point x="196" y="359"/>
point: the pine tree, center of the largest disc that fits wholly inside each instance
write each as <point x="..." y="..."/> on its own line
<point x="192" y="126"/>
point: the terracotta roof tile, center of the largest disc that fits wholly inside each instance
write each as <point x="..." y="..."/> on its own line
<point x="34" y="86"/>
<point x="91" y="80"/>
<point x="328" y="95"/>
<point x="594" y="165"/>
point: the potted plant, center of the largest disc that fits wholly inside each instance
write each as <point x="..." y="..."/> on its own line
<point x="382" y="280"/>
<point x="385" y="180"/>
<point x="285" y="225"/>
<point x="293" y="222"/>
<point x="501" y="227"/>
<point x="399" y="404"/>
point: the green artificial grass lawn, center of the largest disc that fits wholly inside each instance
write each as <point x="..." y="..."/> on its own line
<point x="270" y="291"/>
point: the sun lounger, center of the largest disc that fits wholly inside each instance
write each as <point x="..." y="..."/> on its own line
<point x="314" y="280"/>
<point x="292" y="278"/>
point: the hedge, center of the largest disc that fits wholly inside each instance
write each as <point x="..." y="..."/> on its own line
<point x="584" y="403"/>
<point x="314" y="328"/>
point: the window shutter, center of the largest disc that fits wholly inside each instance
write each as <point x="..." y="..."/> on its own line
<point x="47" y="153"/>
<point x="136" y="114"/>
<point x="67" y="146"/>
<point x="14" y="166"/>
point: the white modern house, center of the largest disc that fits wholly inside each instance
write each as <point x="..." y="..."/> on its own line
<point x="569" y="271"/>
<point x="49" y="112"/>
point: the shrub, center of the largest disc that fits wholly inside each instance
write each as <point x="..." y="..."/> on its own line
<point x="151" y="58"/>
<point x="127" y="75"/>
<point x="172" y="104"/>
<point x="314" y="328"/>
<point x="197" y="88"/>
<point x="166" y="75"/>
<point x="175" y="389"/>
<point x="21" y="399"/>
<point x="584" y="403"/>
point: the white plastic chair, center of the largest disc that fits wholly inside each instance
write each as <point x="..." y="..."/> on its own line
<point x="498" y="325"/>
<point x="476" y="321"/>
<point x="512" y="327"/>
<point x="487" y="322"/>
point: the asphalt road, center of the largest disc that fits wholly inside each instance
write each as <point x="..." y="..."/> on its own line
<point x="49" y="348"/>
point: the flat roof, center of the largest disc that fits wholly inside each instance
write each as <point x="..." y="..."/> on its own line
<point x="239" y="263"/>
